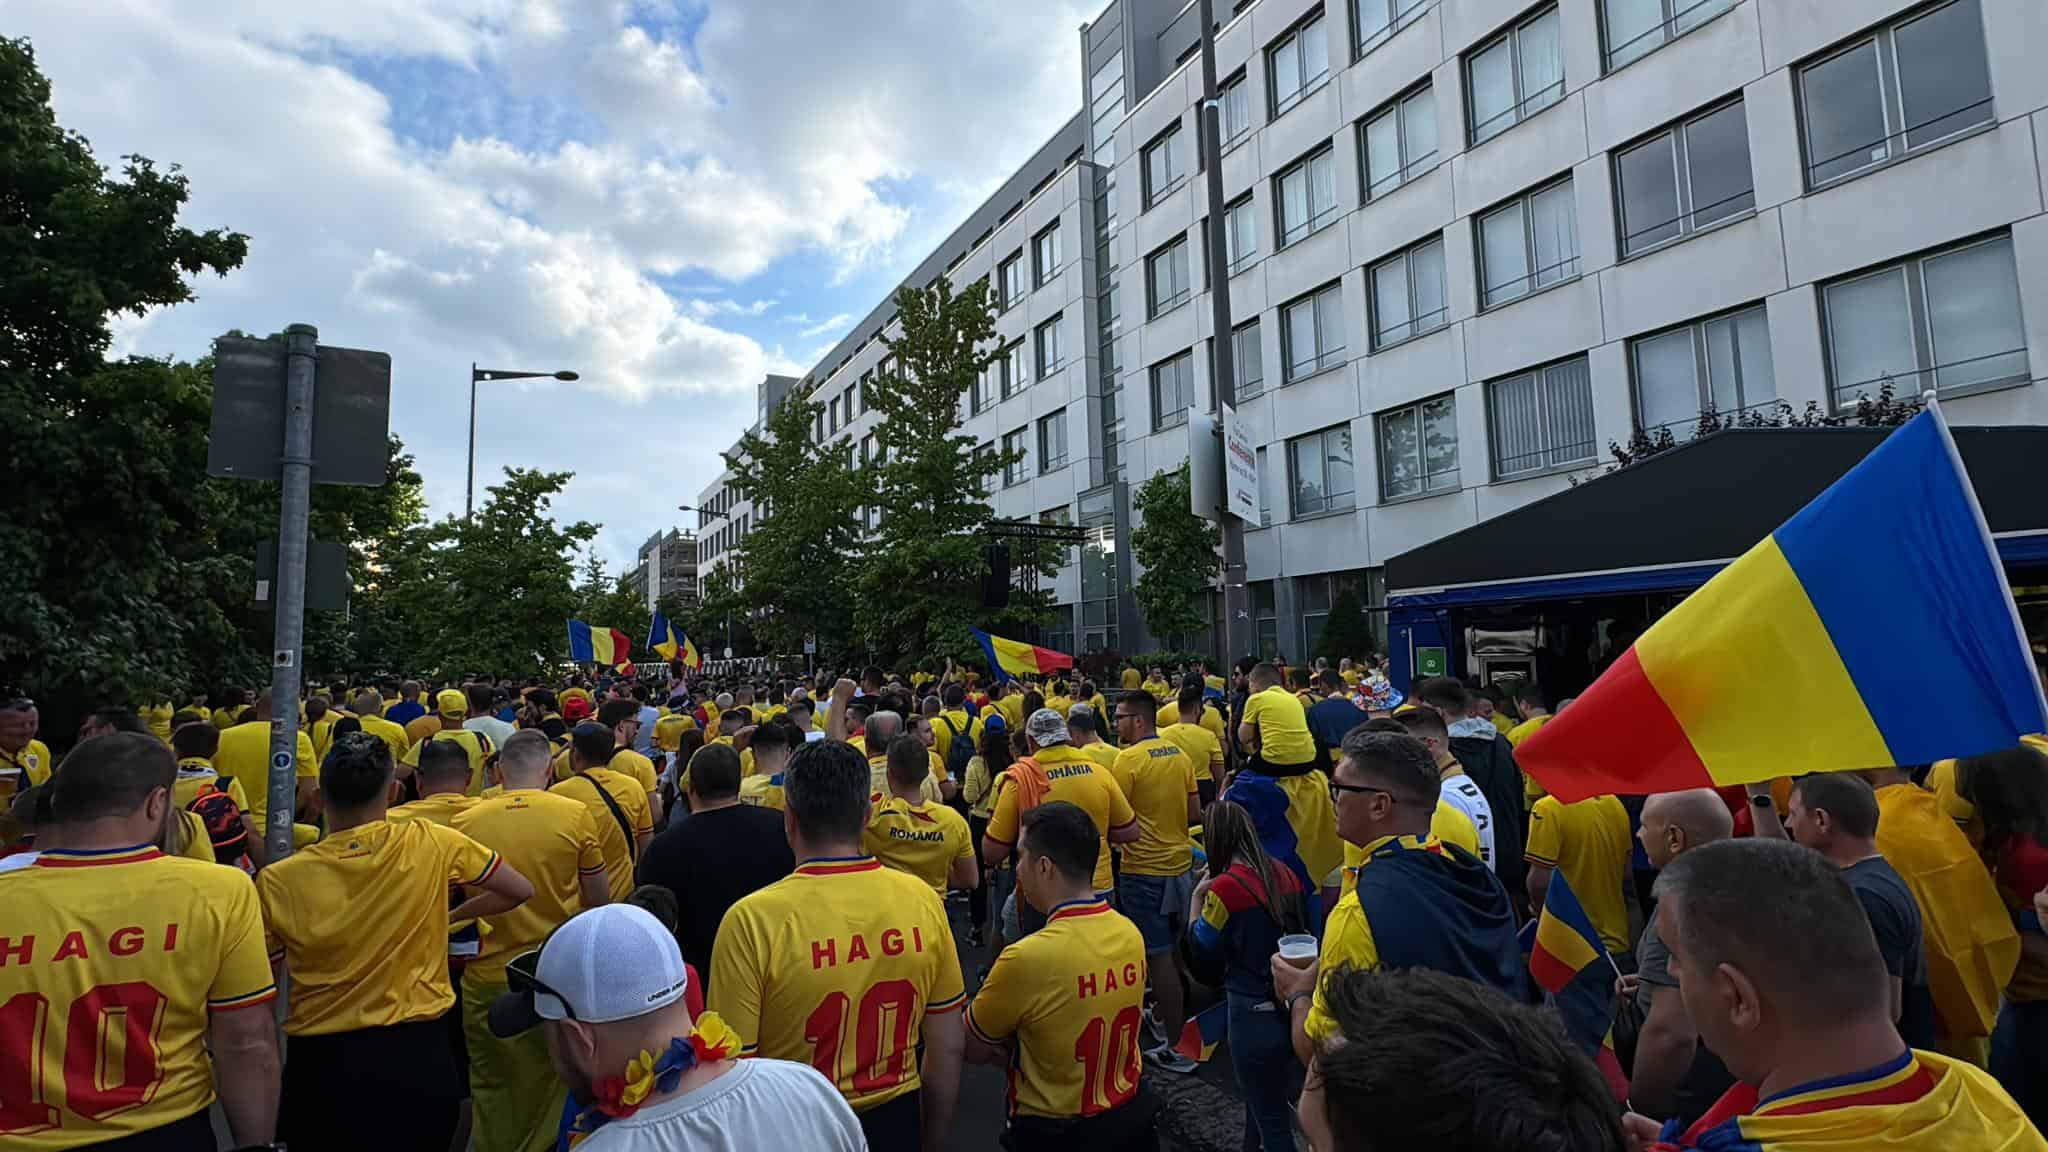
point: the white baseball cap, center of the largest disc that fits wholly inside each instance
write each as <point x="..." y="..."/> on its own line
<point x="611" y="963"/>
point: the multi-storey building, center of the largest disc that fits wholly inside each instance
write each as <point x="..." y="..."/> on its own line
<point x="1472" y="243"/>
<point x="666" y="568"/>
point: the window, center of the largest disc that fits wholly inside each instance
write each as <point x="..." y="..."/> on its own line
<point x="1234" y="109"/>
<point x="1542" y="419"/>
<point x="1298" y="63"/>
<point x="1722" y="365"/>
<point x="1514" y="76"/>
<point x="1686" y="177"/>
<point x="1529" y="243"/>
<point x="832" y="415"/>
<point x="1052" y="442"/>
<point x="1636" y="28"/>
<point x="1946" y="320"/>
<point x="1900" y="89"/>
<point x="1319" y="472"/>
<point x="985" y="384"/>
<point x="1164" y="167"/>
<point x="1240" y="235"/>
<point x="1398" y="142"/>
<point x="1045" y="254"/>
<point x="1408" y="296"/>
<point x="1166" y="277"/>
<point x="1307" y="197"/>
<point x="1267" y="616"/>
<point x="1377" y="20"/>
<point x="1018" y="469"/>
<point x="1419" y="449"/>
<point x="1247" y="360"/>
<point x="1312" y="333"/>
<point x="867" y="390"/>
<point x="1016" y="374"/>
<point x="1010" y="279"/>
<point x="1047" y="339"/>
<point x="1173" y="391"/>
<point x="867" y="448"/>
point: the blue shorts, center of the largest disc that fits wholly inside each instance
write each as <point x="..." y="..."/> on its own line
<point x="1158" y="905"/>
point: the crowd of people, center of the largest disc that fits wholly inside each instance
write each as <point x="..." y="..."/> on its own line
<point x="782" y="912"/>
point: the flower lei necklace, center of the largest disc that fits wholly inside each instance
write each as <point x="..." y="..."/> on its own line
<point x="709" y="1042"/>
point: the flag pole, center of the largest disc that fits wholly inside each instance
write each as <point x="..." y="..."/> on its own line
<point x="2012" y="610"/>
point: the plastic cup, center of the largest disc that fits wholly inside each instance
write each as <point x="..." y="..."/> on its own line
<point x="1299" y="949"/>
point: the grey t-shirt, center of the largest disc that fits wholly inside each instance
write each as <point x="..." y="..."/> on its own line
<point x="761" y="1104"/>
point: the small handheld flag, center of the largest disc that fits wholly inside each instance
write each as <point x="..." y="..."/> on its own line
<point x="661" y="637"/>
<point x="1010" y="659"/>
<point x="1203" y="1031"/>
<point x="1814" y="650"/>
<point x="591" y="645"/>
<point x="1568" y="960"/>
<point x="691" y="659"/>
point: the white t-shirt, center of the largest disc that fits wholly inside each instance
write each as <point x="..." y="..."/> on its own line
<point x="760" y="1105"/>
<point x="491" y="726"/>
<point x="1461" y="793"/>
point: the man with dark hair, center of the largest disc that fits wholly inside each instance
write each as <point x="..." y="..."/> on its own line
<point x="914" y="834"/>
<point x="1060" y="1007"/>
<point x="1196" y="728"/>
<point x="616" y="801"/>
<point x="622" y="718"/>
<point x="24" y="760"/>
<point x="1535" y="706"/>
<point x="843" y="930"/>
<point x="953" y="722"/>
<point x="1420" y="1059"/>
<point x="103" y="928"/>
<point x="370" y="992"/>
<point x="1054" y="770"/>
<point x="111" y="719"/>
<point x="1417" y="902"/>
<point x="772" y="744"/>
<point x="482" y="704"/>
<point x="1778" y="969"/>
<point x="723" y="850"/>
<point x="1490" y="761"/>
<point x="1154" y="888"/>
<point x="201" y="788"/>
<point x="244" y="754"/>
<point x="1835" y="814"/>
<point x="1332" y="714"/>
<point x="451" y="712"/>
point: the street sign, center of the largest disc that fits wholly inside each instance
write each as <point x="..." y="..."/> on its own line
<point x="1240" y="469"/>
<point x="1432" y="662"/>
<point x="327" y="579"/>
<point x="1205" y="475"/>
<point x="351" y="413"/>
<point x="810" y="644"/>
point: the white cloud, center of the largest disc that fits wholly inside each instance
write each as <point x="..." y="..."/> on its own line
<point x="833" y="323"/>
<point x="704" y="309"/>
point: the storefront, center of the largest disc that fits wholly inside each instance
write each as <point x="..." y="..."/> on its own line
<point x="1558" y="588"/>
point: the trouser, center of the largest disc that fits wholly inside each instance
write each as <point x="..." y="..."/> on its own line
<point x="1268" y="1075"/>
<point x="1206" y="789"/>
<point x="192" y="1134"/>
<point x="515" y="1097"/>
<point x="897" y="1124"/>
<point x="1129" y="1127"/>
<point x="2019" y="1056"/>
<point x="393" y="1088"/>
<point x="977" y="897"/>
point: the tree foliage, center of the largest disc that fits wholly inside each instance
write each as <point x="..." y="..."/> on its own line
<point x="1347" y="631"/>
<point x="1178" y="550"/>
<point x="800" y="557"/>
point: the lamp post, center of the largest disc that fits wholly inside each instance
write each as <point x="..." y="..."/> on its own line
<point x="700" y="584"/>
<point x="487" y="375"/>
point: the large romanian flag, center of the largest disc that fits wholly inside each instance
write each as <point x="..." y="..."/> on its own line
<point x="1010" y="659"/>
<point x="1874" y="628"/>
<point x="588" y="645"/>
<point x="661" y="637"/>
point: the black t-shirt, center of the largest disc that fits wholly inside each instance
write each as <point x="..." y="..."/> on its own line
<point x="710" y="860"/>
<point x="1895" y="921"/>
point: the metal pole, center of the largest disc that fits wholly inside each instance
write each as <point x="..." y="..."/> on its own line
<point x="1222" y="365"/>
<point x="294" y="505"/>
<point x="469" y="477"/>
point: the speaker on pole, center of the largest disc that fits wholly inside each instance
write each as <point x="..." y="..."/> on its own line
<point x="995" y="586"/>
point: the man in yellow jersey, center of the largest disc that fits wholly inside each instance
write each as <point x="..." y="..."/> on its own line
<point x="616" y="801"/>
<point x="1156" y="684"/>
<point x="1061" y="1008"/>
<point x="319" y="725"/>
<point x="771" y="745"/>
<point x="1589" y="842"/>
<point x="1203" y="744"/>
<point x="1005" y="697"/>
<point x="846" y="965"/>
<point x="1130" y="679"/>
<point x="194" y="746"/>
<point x="623" y="718"/>
<point x="914" y="834"/>
<point x="369" y="992"/>
<point x="1055" y="770"/>
<point x="1155" y="888"/>
<point x="1274" y="726"/>
<point x="244" y="754"/>
<point x="953" y="723"/>
<point x="1082" y="735"/>
<point x="451" y="706"/>
<point x="552" y="841"/>
<point x="1417" y="903"/>
<point x="1535" y="708"/>
<point x="878" y="732"/>
<point x="442" y="780"/>
<point x="366" y="704"/>
<point x="142" y="975"/>
<point x="24" y="760"/>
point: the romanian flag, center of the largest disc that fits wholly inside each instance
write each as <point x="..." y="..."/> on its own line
<point x="1567" y="960"/>
<point x="691" y="659"/>
<point x="661" y="637"/>
<point x="1013" y="658"/>
<point x="588" y="645"/>
<point x="1198" y="1039"/>
<point x="1874" y="628"/>
<point x="625" y="668"/>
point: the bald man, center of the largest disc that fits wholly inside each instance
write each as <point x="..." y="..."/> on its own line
<point x="1674" y="1075"/>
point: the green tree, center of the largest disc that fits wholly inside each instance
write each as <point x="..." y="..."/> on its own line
<point x="608" y="602"/>
<point x="504" y="582"/>
<point x="1178" y="551"/>
<point x="920" y="586"/>
<point x="720" y="616"/>
<point x="802" y="553"/>
<point x="1348" y="630"/>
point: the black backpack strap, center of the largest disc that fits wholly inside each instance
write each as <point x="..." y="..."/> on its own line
<point x="619" y="814"/>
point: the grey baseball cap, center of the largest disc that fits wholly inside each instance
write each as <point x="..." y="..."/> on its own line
<point x="1046" y="727"/>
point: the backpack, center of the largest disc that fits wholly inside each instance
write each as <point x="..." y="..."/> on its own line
<point x="958" y="753"/>
<point x="223" y="820"/>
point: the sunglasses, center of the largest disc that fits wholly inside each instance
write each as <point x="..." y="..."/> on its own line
<point x="521" y="977"/>
<point x="1337" y="791"/>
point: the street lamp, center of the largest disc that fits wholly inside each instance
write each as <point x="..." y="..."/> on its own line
<point x="488" y="375"/>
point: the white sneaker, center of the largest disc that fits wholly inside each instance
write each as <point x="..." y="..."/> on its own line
<point x="1172" y="1061"/>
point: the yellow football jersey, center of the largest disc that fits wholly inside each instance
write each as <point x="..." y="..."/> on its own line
<point x="474" y="744"/>
<point x="624" y="761"/>
<point x="392" y="734"/>
<point x="1201" y="746"/>
<point x="110" y="965"/>
<point x="552" y="841"/>
<point x="620" y="850"/>
<point x="1157" y="778"/>
<point x="244" y="754"/>
<point x="836" y="966"/>
<point x="1070" y="995"/>
<point x="1073" y="777"/>
<point x="922" y="839"/>
<point x="668" y="731"/>
<point x="762" y="791"/>
<point x="390" y="964"/>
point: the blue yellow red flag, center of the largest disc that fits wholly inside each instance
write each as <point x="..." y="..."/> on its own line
<point x="592" y="645"/>
<point x="1009" y="659"/>
<point x="1205" y="1030"/>
<point x="1566" y="942"/>
<point x="690" y="657"/>
<point x="661" y="637"/>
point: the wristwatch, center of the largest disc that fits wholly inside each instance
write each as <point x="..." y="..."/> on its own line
<point x="1296" y="998"/>
<point x="1762" y="800"/>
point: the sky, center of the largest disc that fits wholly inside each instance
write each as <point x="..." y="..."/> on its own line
<point x="670" y="197"/>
